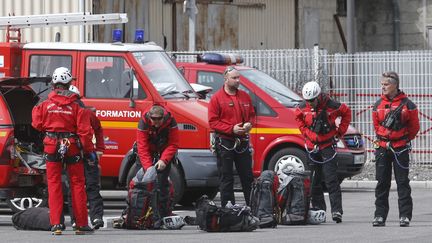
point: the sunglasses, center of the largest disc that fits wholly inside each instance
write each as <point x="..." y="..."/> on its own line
<point x="156" y="118"/>
<point x="229" y="69"/>
<point x="390" y="75"/>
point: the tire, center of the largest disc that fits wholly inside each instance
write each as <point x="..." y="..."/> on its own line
<point x="29" y="199"/>
<point x="294" y="158"/>
<point x="176" y="177"/>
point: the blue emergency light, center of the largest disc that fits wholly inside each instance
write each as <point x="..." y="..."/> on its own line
<point x="218" y="58"/>
<point x="139" y="36"/>
<point x="117" y="35"/>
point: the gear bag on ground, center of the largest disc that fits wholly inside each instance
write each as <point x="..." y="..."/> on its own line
<point x="141" y="201"/>
<point x="263" y="199"/>
<point x="32" y="219"/>
<point x="293" y="198"/>
<point x="212" y="218"/>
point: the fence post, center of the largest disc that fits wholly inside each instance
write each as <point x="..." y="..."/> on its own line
<point x="316" y="62"/>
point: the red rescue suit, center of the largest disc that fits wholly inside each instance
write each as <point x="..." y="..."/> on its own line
<point x="98" y="131"/>
<point x="62" y="119"/>
<point x="162" y="140"/>
<point x="408" y="119"/>
<point x="305" y="116"/>
<point x="225" y="111"/>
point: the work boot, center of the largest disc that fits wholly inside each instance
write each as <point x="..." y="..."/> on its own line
<point x="83" y="230"/>
<point x="98" y="223"/>
<point x="56" y="229"/>
<point x="404" y="222"/>
<point x="337" y="217"/>
<point x="378" y="222"/>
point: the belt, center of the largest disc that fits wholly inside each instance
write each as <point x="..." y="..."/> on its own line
<point x="60" y="134"/>
<point x="230" y="138"/>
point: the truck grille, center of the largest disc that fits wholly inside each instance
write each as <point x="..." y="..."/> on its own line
<point x="186" y="127"/>
<point x="354" y="141"/>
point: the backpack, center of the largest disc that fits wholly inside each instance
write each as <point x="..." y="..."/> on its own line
<point x="138" y="213"/>
<point x="263" y="199"/>
<point x="212" y="218"/>
<point x="293" y="199"/>
<point x="32" y="219"/>
<point x="141" y="201"/>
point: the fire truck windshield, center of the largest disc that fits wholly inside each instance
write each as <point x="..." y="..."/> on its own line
<point x="274" y="88"/>
<point x="164" y="75"/>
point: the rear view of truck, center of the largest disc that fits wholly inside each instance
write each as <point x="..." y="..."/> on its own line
<point x="22" y="167"/>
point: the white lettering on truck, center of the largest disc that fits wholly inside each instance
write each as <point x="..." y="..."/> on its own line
<point x="118" y="114"/>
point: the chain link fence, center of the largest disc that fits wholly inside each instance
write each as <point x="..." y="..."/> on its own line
<point x="355" y="80"/>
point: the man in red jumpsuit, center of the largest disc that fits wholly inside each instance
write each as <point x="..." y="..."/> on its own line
<point x="157" y="143"/>
<point x="92" y="170"/>
<point x="231" y="115"/>
<point x="396" y="123"/>
<point x="316" y="118"/>
<point x="68" y="135"/>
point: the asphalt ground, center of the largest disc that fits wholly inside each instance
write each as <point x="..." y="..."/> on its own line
<point x="356" y="225"/>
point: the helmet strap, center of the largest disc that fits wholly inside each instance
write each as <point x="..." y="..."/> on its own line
<point x="60" y="85"/>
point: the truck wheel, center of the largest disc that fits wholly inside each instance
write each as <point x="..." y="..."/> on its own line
<point x="23" y="201"/>
<point x="289" y="158"/>
<point x="175" y="176"/>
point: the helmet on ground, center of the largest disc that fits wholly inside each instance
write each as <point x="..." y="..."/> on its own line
<point x="75" y="90"/>
<point x="61" y="75"/>
<point x="287" y="166"/>
<point x="173" y="222"/>
<point x="311" y="90"/>
<point x="316" y="216"/>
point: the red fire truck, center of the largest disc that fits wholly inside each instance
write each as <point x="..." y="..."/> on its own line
<point x="120" y="80"/>
<point x="276" y="139"/>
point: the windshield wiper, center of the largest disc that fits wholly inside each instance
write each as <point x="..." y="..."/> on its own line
<point x="174" y="92"/>
<point x="187" y="92"/>
<point x="281" y="94"/>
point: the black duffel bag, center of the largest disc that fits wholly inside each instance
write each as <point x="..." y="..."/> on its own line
<point x="211" y="218"/>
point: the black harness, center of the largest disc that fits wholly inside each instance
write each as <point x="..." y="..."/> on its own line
<point x="62" y="146"/>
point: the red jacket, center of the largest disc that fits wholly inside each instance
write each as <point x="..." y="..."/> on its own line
<point x="98" y="131"/>
<point x="163" y="140"/>
<point x="96" y="126"/>
<point x="61" y="113"/>
<point x="305" y="115"/>
<point x="410" y="124"/>
<point x="226" y="110"/>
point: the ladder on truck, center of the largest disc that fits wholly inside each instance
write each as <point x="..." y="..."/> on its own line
<point x="15" y="23"/>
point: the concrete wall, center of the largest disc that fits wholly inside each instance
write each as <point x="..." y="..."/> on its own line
<point x="316" y="25"/>
<point x="375" y="22"/>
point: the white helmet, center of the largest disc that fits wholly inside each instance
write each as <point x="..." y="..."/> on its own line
<point x="286" y="166"/>
<point x="316" y="216"/>
<point x="173" y="222"/>
<point x="75" y="90"/>
<point x="61" y="75"/>
<point x="311" y="90"/>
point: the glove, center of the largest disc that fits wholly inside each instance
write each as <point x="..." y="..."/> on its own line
<point x="160" y="165"/>
<point x="91" y="158"/>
